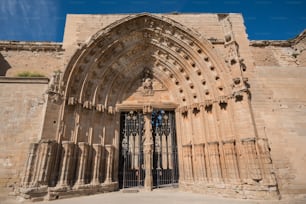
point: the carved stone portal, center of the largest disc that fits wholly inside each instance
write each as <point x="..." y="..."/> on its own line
<point x="145" y="104"/>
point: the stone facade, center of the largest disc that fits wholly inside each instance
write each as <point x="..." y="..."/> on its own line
<point x="238" y="108"/>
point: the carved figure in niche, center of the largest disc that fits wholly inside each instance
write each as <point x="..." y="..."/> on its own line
<point x="147" y="82"/>
<point x="55" y="87"/>
<point x="55" y="82"/>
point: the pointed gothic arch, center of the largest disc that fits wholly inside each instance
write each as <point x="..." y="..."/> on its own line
<point x="145" y="62"/>
<point x="178" y="54"/>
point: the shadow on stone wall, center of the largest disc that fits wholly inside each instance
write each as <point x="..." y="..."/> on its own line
<point x="4" y="66"/>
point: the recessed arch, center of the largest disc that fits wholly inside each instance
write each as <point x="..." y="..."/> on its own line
<point x="159" y="39"/>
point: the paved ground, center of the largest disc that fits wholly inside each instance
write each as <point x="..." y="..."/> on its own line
<point x="160" y="196"/>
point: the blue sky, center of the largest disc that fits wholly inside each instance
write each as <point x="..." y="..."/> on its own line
<point x="44" y="20"/>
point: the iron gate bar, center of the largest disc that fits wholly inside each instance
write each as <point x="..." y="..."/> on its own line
<point x="165" y="163"/>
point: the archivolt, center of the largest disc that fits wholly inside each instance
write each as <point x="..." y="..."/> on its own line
<point x="116" y="55"/>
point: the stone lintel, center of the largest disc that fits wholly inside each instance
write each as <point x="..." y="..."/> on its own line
<point x="128" y="107"/>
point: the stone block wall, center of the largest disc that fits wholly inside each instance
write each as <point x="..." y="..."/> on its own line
<point x="276" y="74"/>
<point x="38" y="57"/>
<point x="280" y="53"/>
<point x="22" y="112"/>
<point x="279" y="106"/>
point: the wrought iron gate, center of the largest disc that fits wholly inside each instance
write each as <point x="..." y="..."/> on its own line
<point x="165" y="163"/>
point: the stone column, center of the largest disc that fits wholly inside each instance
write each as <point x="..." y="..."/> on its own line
<point x="179" y="135"/>
<point x="200" y="167"/>
<point x="66" y="164"/>
<point x="204" y="111"/>
<point x="164" y="151"/>
<point x="82" y="163"/>
<point x="46" y="155"/>
<point x="188" y="167"/>
<point x="266" y="161"/>
<point x="251" y="163"/>
<point x="214" y="157"/>
<point x="244" y="130"/>
<point x="245" y="127"/>
<point x="231" y="166"/>
<point x="109" y="167"/>
<point x="96" y="164"/>
<point x="30" y="165"/>
<point x="148" y="148"/>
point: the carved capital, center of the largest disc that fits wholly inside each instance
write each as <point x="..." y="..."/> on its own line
<point x="87" y="104"/>
<point x="184" y="110"/>
<point x="222" y="99"/>
<point x="111" y="110"/>
<point x="147" y="109"/>
<point x="100" y="107"/>
<point x="72" y="101"/>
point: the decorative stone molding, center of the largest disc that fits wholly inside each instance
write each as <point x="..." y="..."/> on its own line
<point x="31" y="46"/>
<point x="24" y="80"/>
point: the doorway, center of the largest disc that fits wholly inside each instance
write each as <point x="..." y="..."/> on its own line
<point x="164" y="154"/>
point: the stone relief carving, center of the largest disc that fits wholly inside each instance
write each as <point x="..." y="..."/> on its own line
<point x="147" y="82"/>
<point x="233" y="59"/>
<point x="55" y="89"/>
